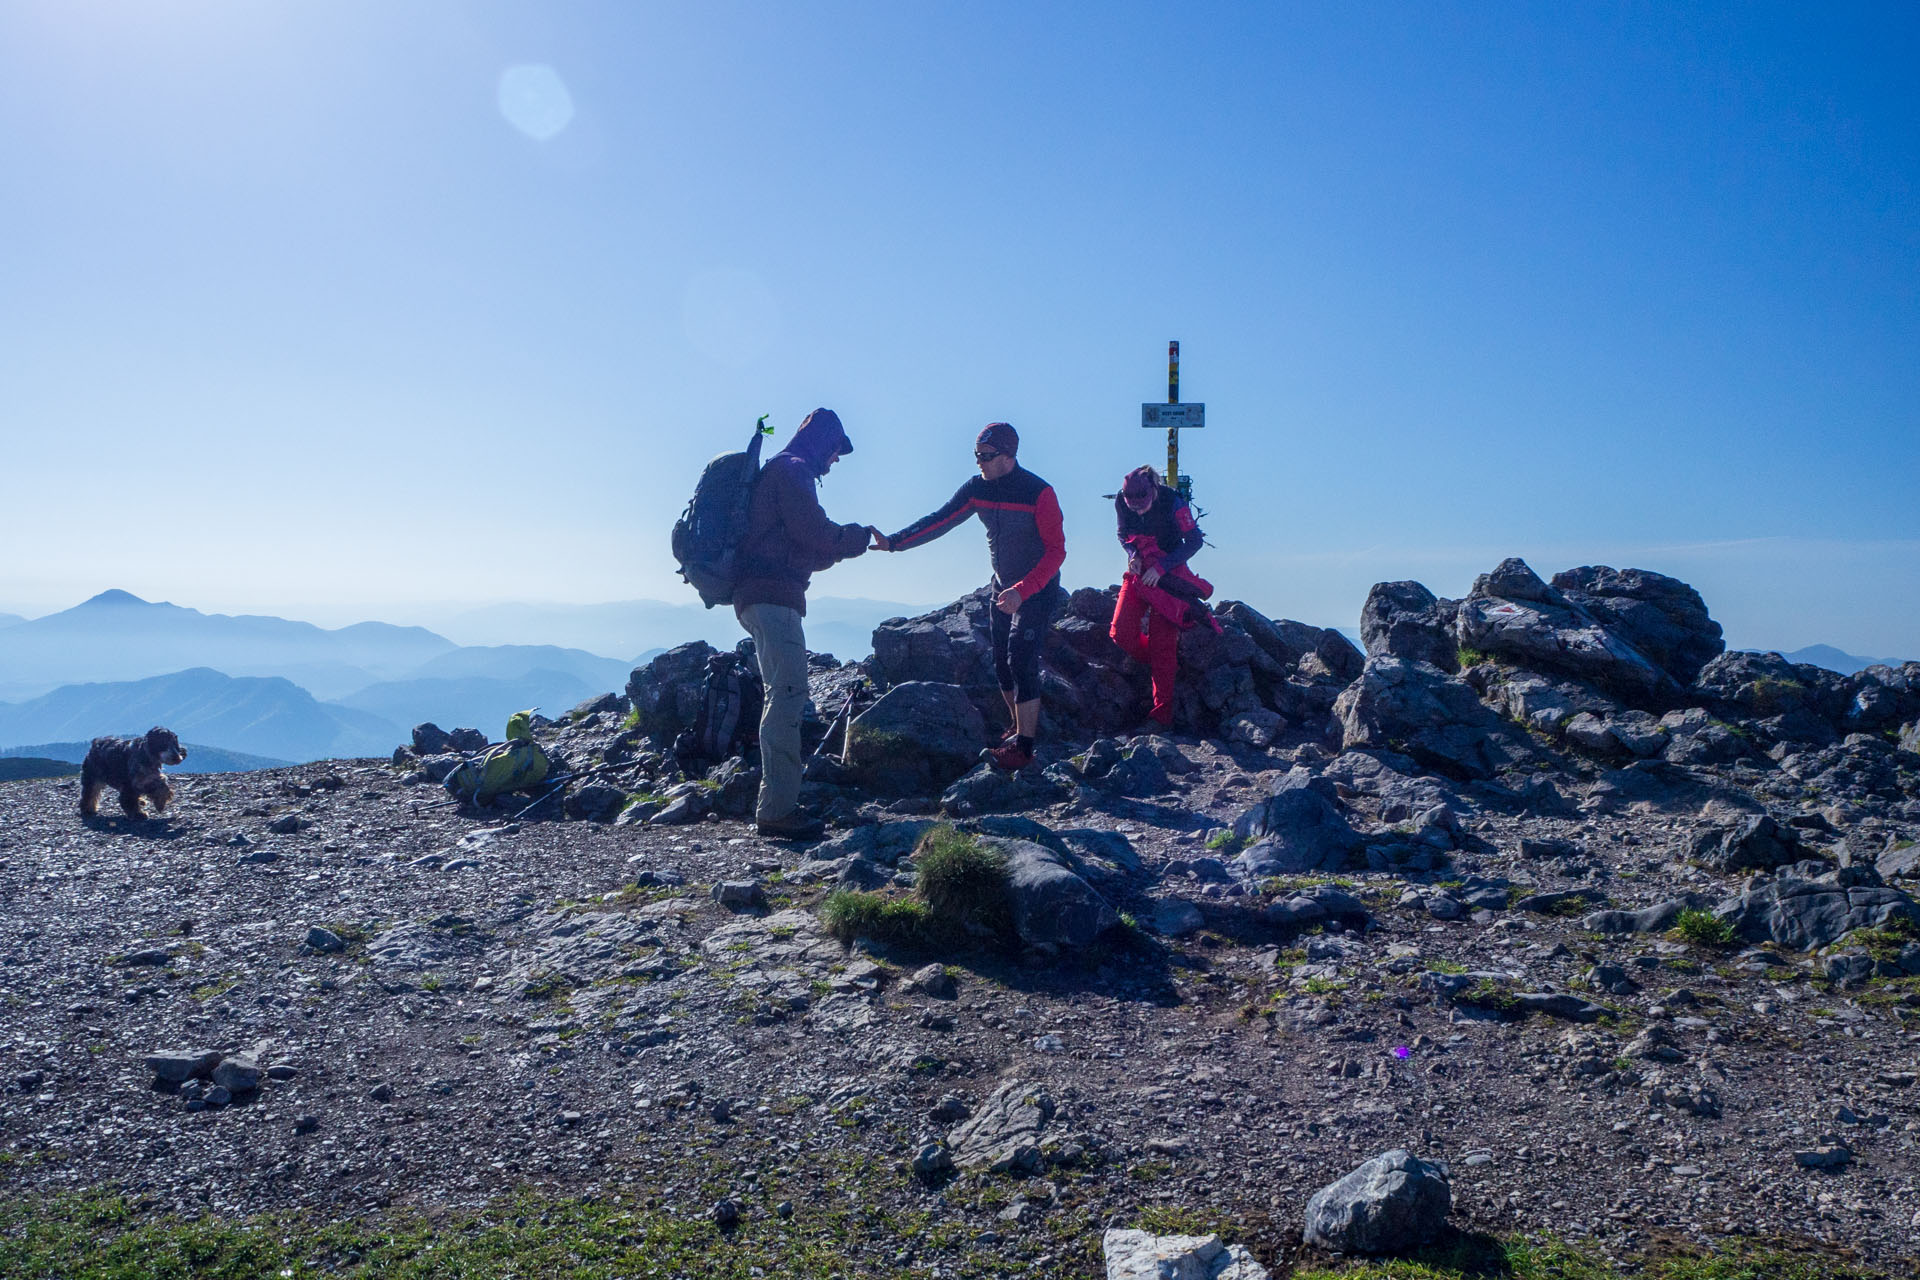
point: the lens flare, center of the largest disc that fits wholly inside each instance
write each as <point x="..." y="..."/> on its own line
<point x="534" y="100"/>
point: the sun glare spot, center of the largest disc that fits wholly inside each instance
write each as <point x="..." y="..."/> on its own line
<point x="534" y="100"/>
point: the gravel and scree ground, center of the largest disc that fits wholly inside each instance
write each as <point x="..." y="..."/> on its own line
<point x="461" y="1042"/>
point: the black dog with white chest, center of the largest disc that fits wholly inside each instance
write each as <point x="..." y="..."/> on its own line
<point x="130" y="766"/>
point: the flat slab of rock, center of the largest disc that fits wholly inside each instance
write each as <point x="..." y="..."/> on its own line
<point x="1806" y="913"/>
<point x="1003" y="1136"/>
<point x="1393" y="1203"/>
<point x="1140" y="1255"/>
<point x="177" y="1066"/>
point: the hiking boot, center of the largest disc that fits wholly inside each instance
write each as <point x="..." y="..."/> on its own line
<point x="795" y="826"/>
<point x="1009" y="757"/>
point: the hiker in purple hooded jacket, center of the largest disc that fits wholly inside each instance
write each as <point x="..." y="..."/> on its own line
<point x="788" y="538"/>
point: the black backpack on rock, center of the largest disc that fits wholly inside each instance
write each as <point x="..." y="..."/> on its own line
<point x="706" y="538"/>
<point x="728" y="722"/>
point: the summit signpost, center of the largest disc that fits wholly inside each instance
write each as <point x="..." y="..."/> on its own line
<point x="1175" y="417"/>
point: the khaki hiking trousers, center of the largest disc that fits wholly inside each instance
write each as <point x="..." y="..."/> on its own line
<point x="781" y="645"/>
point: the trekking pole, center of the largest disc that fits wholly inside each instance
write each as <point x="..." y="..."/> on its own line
<point x="846" y="743"/>
<point x="846" y="713"/>
<point x="554" y="784"/>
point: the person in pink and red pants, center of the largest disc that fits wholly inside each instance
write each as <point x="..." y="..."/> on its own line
<point x="1159" y="595"/>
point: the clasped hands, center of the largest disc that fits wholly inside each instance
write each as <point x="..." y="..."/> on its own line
<point x="1148" y="575"/>
<point x="1007" y="602"/>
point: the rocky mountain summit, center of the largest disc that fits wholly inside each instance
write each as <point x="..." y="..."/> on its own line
<point x="1544" y="915"/>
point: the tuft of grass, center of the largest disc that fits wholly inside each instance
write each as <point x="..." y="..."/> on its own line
<point x="1489" y="994"/>
<point x="1884" y="942"/>
<point x="1224" y="841"/>
<point x="1703" y="929"/>
<point x="963" y="880"/>
<point x="1466" y="656"/>
<point x="855" y="913"/>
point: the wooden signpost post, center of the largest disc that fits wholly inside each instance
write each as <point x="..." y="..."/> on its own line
<point x="1175" y="417"/>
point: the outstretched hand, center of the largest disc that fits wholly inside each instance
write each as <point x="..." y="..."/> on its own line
<point x="880" y="540"/>
<point x="1009" y="601"/>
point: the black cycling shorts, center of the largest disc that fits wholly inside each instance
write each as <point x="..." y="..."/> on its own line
<point x="1017" y="640"/>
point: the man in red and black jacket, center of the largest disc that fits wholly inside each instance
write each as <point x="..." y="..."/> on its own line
<point x="1026" y="542"/>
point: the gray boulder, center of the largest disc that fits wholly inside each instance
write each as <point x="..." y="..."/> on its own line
<point x="1139" y="1255"/>
<point x="430" y="739"/>
<point x="1661" y="617"/>
<point x="466" y="740"/>
<point x="1657" y="918"/>
<point x="1902" y="862"/>
<point x="1296" y="829"/>
<point x="916" y="740"/>
<point x="1405" y="620"/>
<point x="1776" y="700"/>
<point x="238" y="1074"/>
<point x="665" y="694"/>
<point x="1176" y="917"/>
<point x="1315" y="904"/>
<point x="1257" y="727"/>
<point x="1003" y="1136"/>
<point x="1393" y="1203"/>
<point x="325" y="940"/>
<point x="1695" y="737"/>
<point x="1512" y="614"/>
<point x="595" y="802"/>
<point x="1417" y="710"/>
<point x="986" y="789"/>
<point x="1053" y="907"/>
<point x="1806" y="906"/>
<point x="1757" y="844"/>
<point x="177" y="1066"/>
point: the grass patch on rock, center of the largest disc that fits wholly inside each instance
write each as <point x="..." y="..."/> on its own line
<point x="1703" y="929"/>
<point x="960" y="894"/>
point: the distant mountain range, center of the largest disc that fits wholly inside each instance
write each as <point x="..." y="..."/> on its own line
<point x="1825" y="655"/>
<point x="842" y="626"/>
<point x="259" y="715"/>
<point x="12" y="769"/>
<point x="117" y="636"/>
<point x="200" y="759"/>
<point x="10" y="619"/>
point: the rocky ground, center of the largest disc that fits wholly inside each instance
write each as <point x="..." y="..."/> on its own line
<point x="1326" y="933"/>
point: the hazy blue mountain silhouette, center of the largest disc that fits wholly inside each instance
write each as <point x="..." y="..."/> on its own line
<point x="517" y="661"/>
<point x="840" y="625"/>
<point x="200" y="757"/>
<point x="476" y="701"/>
<point x="10" y="619"/>
<point x="14" y="768"/>
<point x="116" y="636"/>
<point x="266" y="716"/>
<point x="1825" y="655"/>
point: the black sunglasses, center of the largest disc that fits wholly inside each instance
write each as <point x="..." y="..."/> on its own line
<point x="987" y="456"/>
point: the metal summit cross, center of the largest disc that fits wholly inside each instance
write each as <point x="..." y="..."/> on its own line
<point x="1175" y="417"/>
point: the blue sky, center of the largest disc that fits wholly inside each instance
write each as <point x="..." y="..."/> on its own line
<point x="354" y="310"/>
